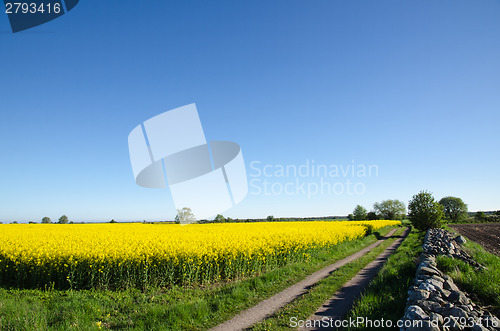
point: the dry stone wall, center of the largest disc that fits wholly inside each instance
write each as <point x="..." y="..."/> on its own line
<point x="434" y="301"/>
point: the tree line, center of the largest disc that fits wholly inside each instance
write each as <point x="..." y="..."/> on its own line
<point x="424" y="211"/>
<point x="454" y="209"/>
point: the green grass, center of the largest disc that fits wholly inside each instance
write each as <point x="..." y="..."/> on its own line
<point x="174" y="308"/>
<point x="304" y="306"/>
<point x="386" y="295"/>
<point x="485" y="284"/>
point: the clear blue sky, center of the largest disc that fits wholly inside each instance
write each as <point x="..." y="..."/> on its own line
<point x="412" y="87"/>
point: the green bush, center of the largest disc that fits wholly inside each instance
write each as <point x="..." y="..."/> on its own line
<point x="390" y="209"/>
<point x="455" y="209"/>
<point x="425" y="212"/>
<point x="359" y="213"/>
<point x="480" y="216"/>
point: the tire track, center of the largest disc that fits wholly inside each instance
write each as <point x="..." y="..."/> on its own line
<point x="267" y="307"/>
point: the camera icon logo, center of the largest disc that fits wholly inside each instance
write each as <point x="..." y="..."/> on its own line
<point x="207" y="178"/>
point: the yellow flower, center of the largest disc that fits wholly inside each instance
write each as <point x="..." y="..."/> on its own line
<point x="197" y="252"/>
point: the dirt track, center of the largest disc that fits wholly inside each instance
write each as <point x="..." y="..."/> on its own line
<point x="485" y="234"/>
<point x="339" y="305"/>
<point x="267" y="307"/>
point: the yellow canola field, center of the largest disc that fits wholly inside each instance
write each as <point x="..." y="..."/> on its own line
<point x="132" y="254"/>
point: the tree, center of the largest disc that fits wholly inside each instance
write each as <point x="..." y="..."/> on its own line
<point x="425" y="212"/>
<point x="480" y="216"/>
<point x="350" y="217"/>
<point x="390" y="209"/>
<point x="185" y="216"/>
<point x="454" y="208"/>
<point x="219" y="219"/>
<point x="46" y="220"/>
<point x="371" y="216"/>
<point x="112" y="221"/>
<point x="270" y="218"/>
<point x="359" y="213"/>
<point x="63" y="219"/>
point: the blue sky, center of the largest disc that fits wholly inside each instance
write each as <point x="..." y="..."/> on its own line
<point x="409" y="86"/>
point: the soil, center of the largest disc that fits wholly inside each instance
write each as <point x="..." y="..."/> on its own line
<point x="485" y="234"/>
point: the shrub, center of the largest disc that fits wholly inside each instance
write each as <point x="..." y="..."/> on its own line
<point x="455" y="209"/>
<point x="480" y="216"/>
<point x="359" y="213"/>
<point x="425" y="212"/>
<point x="184" y="216"/>
<point x="219" y="219"/>
<point x="390" y="209"/>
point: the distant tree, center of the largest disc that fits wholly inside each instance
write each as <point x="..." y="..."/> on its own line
<point x="372" y="216"/>
<point x="270" y="218"/>
<point x="15" y="222"/>
<point x="229" y="220"/>
<point x="425" y="212"/>
<point x="359" y="213"/>
<point x="185" y="216"/>
<point x="480" y="216"/>
<point x="455" y="209"/>
<point x="390" y="209"/>
<point x="46" y="220"/>
<point x="112" y="221"/>
<point x="63" y="219"/>
<point x="497" y="213"/>
<point x="31" y="222"/>
<point x="350" y="217"/>
<point x="219" y="219"/>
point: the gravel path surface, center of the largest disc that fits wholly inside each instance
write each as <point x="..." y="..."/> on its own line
<point x="339" y="305"/>
<point x="267" y="307"/>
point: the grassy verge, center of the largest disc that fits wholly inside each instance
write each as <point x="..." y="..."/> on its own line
<point x="386" y="295"/>
<point x="483" y="284"/>
<point x="175" y="308"/>
<point x="307" y="304"/>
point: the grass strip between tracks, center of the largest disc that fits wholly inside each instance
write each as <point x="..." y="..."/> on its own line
<point x="176" y="308"/>
<point x="306" y="305"/>
<point x="385" y="298"/>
